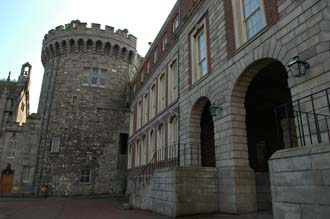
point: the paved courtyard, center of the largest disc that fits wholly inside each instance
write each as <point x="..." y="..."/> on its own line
<point x="89" y="208"/>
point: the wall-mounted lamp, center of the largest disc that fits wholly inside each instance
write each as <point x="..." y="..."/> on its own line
<point x="215" y="110"/>
<point x="297" y="67"/>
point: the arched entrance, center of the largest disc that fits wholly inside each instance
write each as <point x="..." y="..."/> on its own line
<point x="202" y="146"/>
<point x="267" y="90"/>
<point x="7" y="177"/>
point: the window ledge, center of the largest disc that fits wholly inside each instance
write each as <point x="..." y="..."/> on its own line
<point x="251" y="40"/>
<point x="199" y="81"/>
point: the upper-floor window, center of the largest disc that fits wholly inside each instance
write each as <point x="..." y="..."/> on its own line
<point x="148" y="67"/>
<point x="152" y="104"/>
<point x="11" y="153"/>
<point x="172" y="150"/>
<point x="55" y="147"/>
<point x="253" y="17"/>
<point x="139" y="115"/>
<point x="155" y="55"/>
<point x="95" y="77"/>
<point x="249" y="19"/>
<point x="164" y="42"/>
<point x="161" y="93"/>
<point x="145" y="108"/>
<point x="199" y="51"/>
<point x="131" y="123"/>
<point x="173" y="81"/>
<point x="26" y="175"/>
<point x="175" y="23"/>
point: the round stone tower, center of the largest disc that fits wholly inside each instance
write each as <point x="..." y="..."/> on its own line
<point x="84" y="111"/>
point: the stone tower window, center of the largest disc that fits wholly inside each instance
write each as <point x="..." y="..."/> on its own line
<point x="55" y="147"/>
<point x="94" y="76"/>
<point x="85" y="176"/>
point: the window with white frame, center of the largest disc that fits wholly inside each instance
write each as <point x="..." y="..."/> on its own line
<point x="144" y="150"/>
<point x="11" y="153"/>
<point x="148" y="67"/>
<point x="151" y="145"/>
<point x="156" y="55"/>
<point x="164" y="42"/>
<point x="129" y="157"/>
<point x="161" y="93"/>
<point x="131" y="123"/>
<point x="145" y="108"/>
<point x="173" y="137"/>
<point x="85" y="176"/>
<point x="55" y="147"/>
<point x="199" y="51"/>
<point x="175" y="23"/>
<point x="161" y="142"/>
<point x="152" y="104"/>
<point x="26" y="175"/>
<point x="173" y="81"/>
<point x="249" y="19"/>
<point x="139" y="114"/>
<point x="86" y="75"/>
<point x="95" y="77"/>
<point x="138" y="153"/>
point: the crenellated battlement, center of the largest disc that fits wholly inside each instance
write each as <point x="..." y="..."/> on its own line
<point x="76" y="37"/>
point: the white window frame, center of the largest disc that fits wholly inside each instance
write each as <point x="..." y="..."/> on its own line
<point x="145" y="108"/>
<point x="164" y="42"/>
<point x="196" y="60"/>
<point x="139" y="115"/>
<point x="151" y="145"/>
<point x="161" y="92"/>
<point x="131" y="123"/>
<point x="161" y="142"/>
<point x="173" y="136"/>
<point x="176" y="23"/>
<point x="11" y="153"/>
<point x="26" y="174"/>
<point x="152" y="102"/>
<point x="173" y="81"/>
<point x="144" y="150"/>
<point x="85" y="176"/>
<point x="55" y="146"/>
<point x="239" y="21"/>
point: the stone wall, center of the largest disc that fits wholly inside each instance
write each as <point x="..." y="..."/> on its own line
<point x="300" y="182"/>
<point x="178" y="191"/>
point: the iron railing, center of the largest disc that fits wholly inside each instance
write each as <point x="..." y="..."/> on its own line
<point x="305" y="121"/>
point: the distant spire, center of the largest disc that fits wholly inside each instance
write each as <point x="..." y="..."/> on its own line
<point x="8" y="79"/>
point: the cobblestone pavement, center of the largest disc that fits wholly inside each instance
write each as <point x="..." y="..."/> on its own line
<point x="88" y="208"/>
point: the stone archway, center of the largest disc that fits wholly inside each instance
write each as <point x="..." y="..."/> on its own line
<point x="261" y="87"/>
<point x="201" y="132"/>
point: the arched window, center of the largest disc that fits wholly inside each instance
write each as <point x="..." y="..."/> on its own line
<point x="161" y="142"/>
<point x="173" y="137"/>
<point x="151" y="145"/>
<point x="71" y="45"/>
<point x="107" y="48"/>
<point x="144" y="150"/>
<point x="89" y="44"/>
<point x="98" y="46"/>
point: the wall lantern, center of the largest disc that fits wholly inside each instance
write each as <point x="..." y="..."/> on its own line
<point x="297" y="67"/>
<point x="215" y="110"/>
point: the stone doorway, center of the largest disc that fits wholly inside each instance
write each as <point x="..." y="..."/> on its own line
<point x="267" y="90"/>
<point x="202" y="145"/>
<point x="207" y="138"/>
